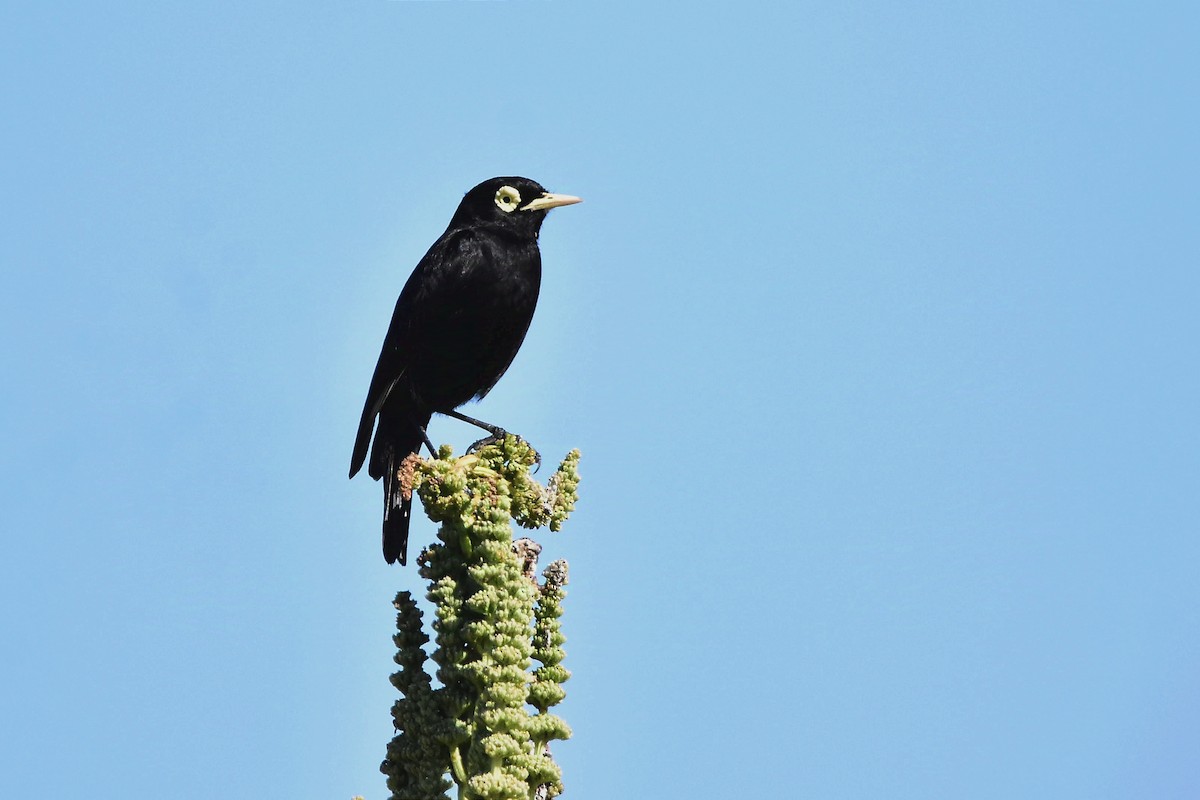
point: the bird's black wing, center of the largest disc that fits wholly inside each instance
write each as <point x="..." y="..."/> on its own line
<point x="430" y="304"/>
<point x="393" y="357"/>
<point x="388" y="371"/>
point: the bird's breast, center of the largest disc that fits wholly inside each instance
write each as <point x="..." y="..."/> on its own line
<point x="484" y="310"/>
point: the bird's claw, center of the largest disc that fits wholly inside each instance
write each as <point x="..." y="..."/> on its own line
<point x="486" y="441"/>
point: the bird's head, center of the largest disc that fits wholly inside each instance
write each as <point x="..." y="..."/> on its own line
<point x="511" y="205"/>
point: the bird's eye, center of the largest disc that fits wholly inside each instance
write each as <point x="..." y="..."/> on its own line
<point x="508" y="198"/>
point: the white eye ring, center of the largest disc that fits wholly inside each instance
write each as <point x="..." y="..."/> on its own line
<point x="508" y="199"/>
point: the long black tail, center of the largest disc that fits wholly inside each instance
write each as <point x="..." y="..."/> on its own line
<point x="397" y="508"/>
<point x="395" y="440"/>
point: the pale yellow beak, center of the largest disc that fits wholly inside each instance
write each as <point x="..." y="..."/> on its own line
<point x="549" y="200"/>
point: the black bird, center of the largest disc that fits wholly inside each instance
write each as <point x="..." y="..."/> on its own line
<point x="458" y="324"/>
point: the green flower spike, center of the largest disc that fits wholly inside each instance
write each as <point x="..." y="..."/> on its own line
<point x="416" y="762"/>
<point x="491" y="621"/>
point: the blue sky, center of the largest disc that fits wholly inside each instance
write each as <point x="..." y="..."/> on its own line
<point x="877" y="330"/>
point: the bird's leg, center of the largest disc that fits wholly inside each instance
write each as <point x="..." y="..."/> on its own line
<point x="495" y="430"/>
<point x="429" y="444"/>
<point x="497" y="433"/>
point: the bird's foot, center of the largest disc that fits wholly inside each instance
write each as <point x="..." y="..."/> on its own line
<point x="497" y="437"/>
